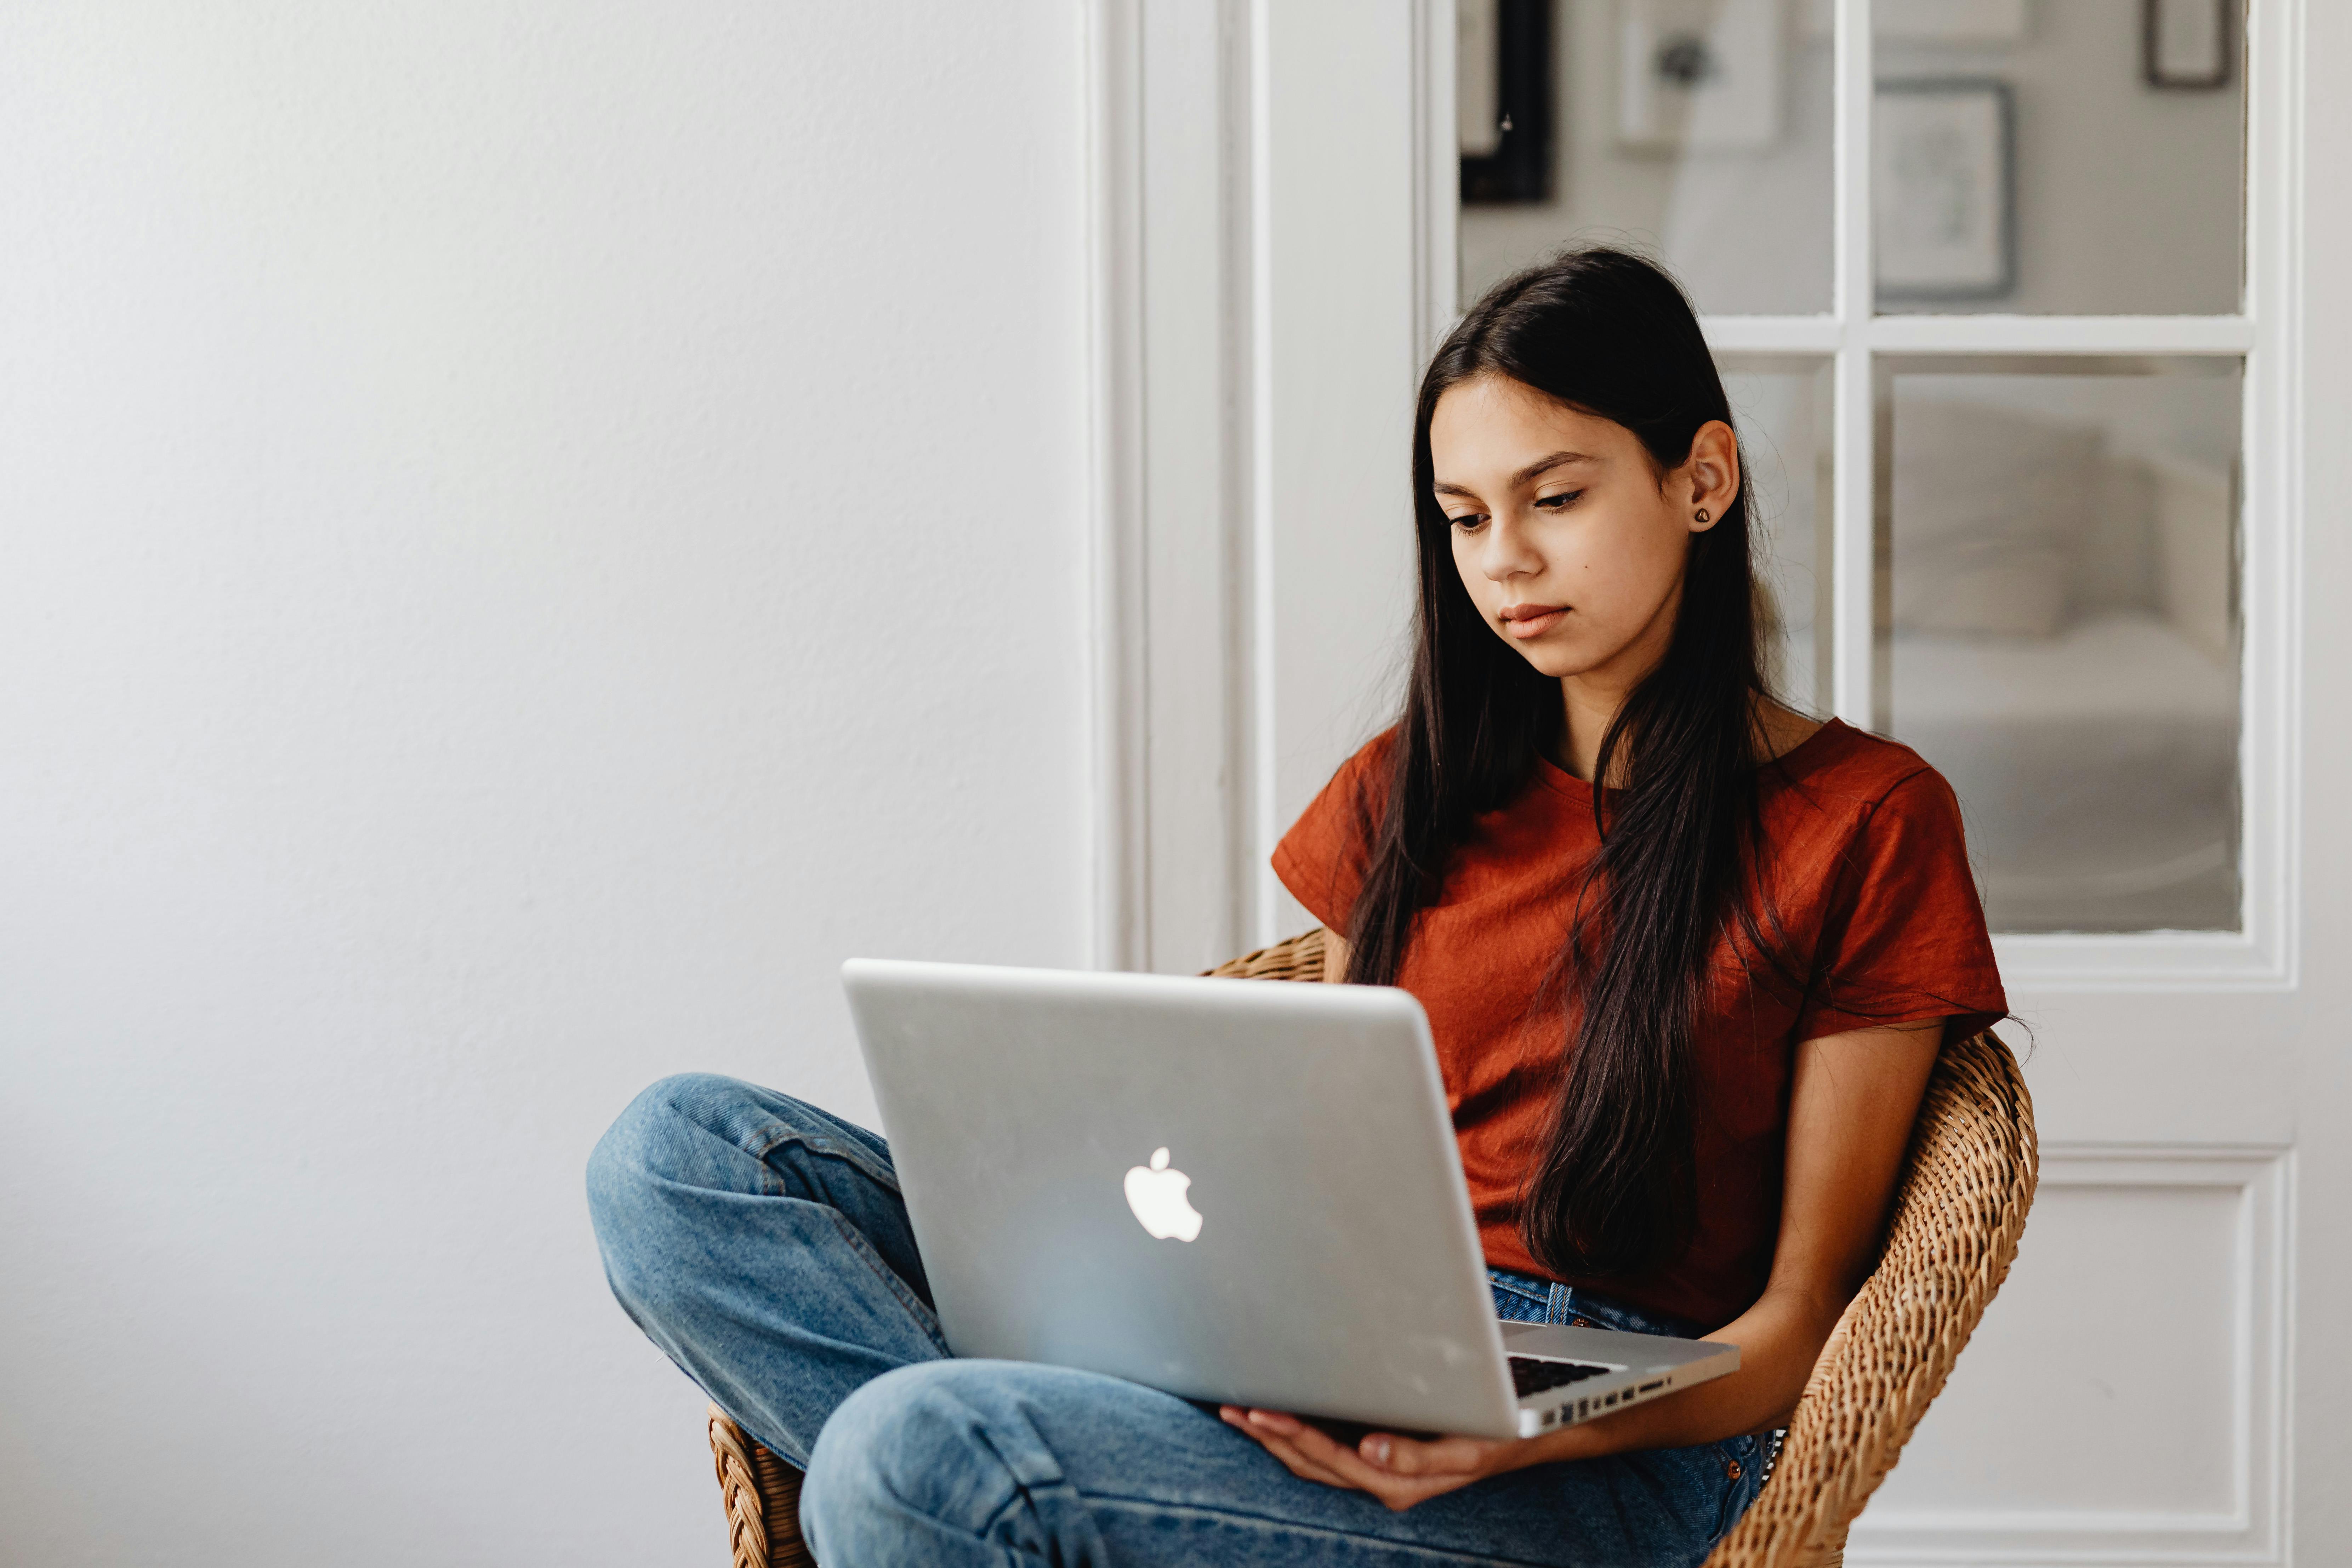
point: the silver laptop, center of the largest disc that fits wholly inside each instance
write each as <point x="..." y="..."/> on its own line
<point x="1236" y="1191"/>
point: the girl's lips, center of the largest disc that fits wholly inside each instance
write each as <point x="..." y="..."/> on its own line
<point x="1526" y="621"/>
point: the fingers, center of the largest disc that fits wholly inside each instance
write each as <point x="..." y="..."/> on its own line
<point x="1399" y="1471"/>
<point x="1325" y="1455"/>
<point x="1300" y="1465"/>
<point x="1277" y="1443"/>
<point x="1465" y="1457"/>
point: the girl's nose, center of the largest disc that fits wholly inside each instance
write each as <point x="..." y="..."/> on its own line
<point x="1508" y="552"/>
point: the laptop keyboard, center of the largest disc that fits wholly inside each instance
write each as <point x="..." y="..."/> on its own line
<point x="1530" y="1374"/>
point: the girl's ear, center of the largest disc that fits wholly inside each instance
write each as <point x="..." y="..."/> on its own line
<point x="1711" y="474"/>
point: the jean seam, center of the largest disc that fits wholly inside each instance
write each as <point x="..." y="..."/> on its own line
<point x="1513" y="1287"/>
<point x="825" y="1148"/>
<point x="914" y="1304"/>
<point x="1270" y="1525"/>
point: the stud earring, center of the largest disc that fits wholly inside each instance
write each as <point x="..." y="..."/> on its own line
<point x="1702" y="514"/>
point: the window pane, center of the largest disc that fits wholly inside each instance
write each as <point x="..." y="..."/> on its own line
<point x="2059" y="629"/>
<point x="1696" y="130"/>
<point x="1780" y="405"/>
<point x="2068" y="156"/>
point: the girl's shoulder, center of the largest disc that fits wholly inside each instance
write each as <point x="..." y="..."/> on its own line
<point x="1852" y="772"/>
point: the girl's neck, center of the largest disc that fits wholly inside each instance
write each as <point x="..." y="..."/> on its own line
<point x="1588" y="708"/>
<point x="1588" y="711"/>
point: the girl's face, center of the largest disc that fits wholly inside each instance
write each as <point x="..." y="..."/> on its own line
<point x="1570" y="541"/>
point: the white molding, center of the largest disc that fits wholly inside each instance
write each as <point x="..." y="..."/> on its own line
<point x="1437" y="175"/>
<point x="1117" y="631"/>
<point x="1345" y="256"/>
<point x="2157" y="961"/>
<point x="1774" y="334"/>
<point x="1982" y="334"/>
<point x="2062" y="334"/>
<point x="2269" y="750"/>
<point x="2277" y="55"/>
<point x="1168" y="351"/>
<point x="1853" y="615"/>
<point x="1242" y="335"/>
<point x="2251" y="1531"/>
<point x="1265" y="891"/>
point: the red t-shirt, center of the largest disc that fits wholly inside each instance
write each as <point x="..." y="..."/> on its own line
<point x="1868" y="877"/>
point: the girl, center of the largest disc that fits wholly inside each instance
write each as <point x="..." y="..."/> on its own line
<point x="1687" y="956"/>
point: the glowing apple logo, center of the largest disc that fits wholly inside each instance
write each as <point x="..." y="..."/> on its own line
<point x="1156" y="1194"/>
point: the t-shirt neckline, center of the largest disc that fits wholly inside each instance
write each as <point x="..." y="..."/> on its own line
<point x="1568" y="784"/>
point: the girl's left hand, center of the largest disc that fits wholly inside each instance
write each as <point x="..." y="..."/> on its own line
<point x="1399" y="1471"/>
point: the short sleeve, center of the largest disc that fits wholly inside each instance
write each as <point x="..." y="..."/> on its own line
<point x="1322" y="858"/>
<point x="1904" y="939"/>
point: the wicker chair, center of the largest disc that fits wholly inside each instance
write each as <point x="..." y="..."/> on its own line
<point x="1967" y="1185"/>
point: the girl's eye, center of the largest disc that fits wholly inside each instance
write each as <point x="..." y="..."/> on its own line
<point x="1469" y="522"/>
<point x="1559" y="502"/>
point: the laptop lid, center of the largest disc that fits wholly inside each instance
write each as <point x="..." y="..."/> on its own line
<point x="1231" y="1190"/>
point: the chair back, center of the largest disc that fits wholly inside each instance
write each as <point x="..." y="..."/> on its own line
<point x="1968" y="1182"/>
<point x="1298" y="958"/>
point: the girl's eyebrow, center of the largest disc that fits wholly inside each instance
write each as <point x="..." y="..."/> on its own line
<point x="1546" y="464"/>
<point x="1540" y="466"/>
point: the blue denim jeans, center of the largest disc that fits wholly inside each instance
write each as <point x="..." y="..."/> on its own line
<point x="762" y="1244"/>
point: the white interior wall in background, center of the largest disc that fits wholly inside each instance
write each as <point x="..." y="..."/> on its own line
<point x="531" y="531"/>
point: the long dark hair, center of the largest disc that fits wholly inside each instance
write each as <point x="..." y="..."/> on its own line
<point x="1610" y="335"/>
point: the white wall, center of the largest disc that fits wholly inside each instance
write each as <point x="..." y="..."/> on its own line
<point x="528" y="532"/>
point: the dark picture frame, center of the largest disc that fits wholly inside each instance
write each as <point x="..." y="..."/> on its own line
<point x="2186" y="76"/>
<point x="1519" y="171"/>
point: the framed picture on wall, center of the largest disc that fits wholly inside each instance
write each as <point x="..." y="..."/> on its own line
<point x="1943" y="180"/>
<point x="2186" y="43"/>
<point x="1503" y="97"/>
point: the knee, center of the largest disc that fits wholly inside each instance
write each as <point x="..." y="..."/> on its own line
<point x="650" y="1142"/>
<point x="644" y="1169"/>
<point x="935" y="1445"/>
<point x="687" y="1138"/>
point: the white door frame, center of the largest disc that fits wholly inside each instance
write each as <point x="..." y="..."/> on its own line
<point x="1265" y="177"/>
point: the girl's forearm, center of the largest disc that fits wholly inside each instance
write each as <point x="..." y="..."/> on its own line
<point x="1778" y="1339"/>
